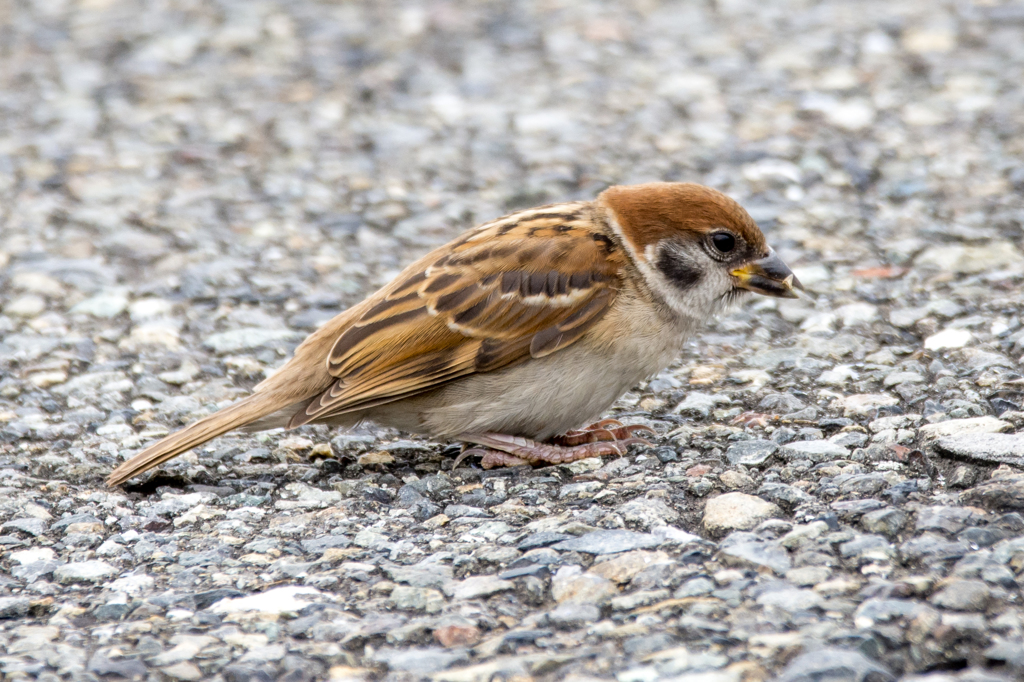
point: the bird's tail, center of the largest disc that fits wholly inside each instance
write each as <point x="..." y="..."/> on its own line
<point x="243" y="412"/>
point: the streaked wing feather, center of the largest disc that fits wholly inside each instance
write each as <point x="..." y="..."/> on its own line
<point x="526" y="285"/>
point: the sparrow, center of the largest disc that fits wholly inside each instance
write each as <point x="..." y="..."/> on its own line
<point x="515" y="334"/>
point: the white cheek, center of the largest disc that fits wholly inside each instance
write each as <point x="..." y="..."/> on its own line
<point x="694" y="305"/>
<point x="700" y="302"/>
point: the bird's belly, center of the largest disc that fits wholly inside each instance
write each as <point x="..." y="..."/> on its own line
<point x="537" y="399"/>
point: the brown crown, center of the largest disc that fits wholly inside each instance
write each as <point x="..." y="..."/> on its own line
<point x="655" y="211"/>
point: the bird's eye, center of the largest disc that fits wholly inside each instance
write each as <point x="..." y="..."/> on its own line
<point x="723" y="241"/>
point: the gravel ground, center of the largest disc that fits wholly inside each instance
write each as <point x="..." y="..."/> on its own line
<point x="188" y="188"/>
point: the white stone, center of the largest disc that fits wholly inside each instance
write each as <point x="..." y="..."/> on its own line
<point x="812" y="274"/>
<point x="30" y="556"/>
<point x="815" y="450"/>
<point x="904" y="318"/>
<point x="839" y="375"/>
<point x="948" y="338"/>
<point x="156" y="333"/>
<point x="84" y="572"/>
<point x="105" y="305"/>
<point x="897" y="378"/>
<point x="278" y="600"/>
<point x="149" y="308"/>
<point x="921" y="40"/>
<point x="857" y="313"/>
<point x="864" y="404"/>
<point x="818" y="322"/>
<point x="37" y="283"/>
<point x="971" y="260"/>
<point x="185" y="648"/>
<point x="132" y="585"/>
<point x="28" y="305"/>
<point x="854" y="114"/>
<point x="736" y="511"/>
<point x="480" y="586"/>
<point x="954" y="427"/>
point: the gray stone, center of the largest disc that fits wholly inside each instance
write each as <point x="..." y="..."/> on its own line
<point x="572" y="615"/>
<point x="834" y="665"/>
<point x="861" y="484"/>
<point x="427" y="573"/>
<point x="786" y="496"/>
<point x="541" y="540"/>
<point x="456" y="510"/>
<point x="238" y="340"/>
<point x="887" y="521"/>
<point x="417" y="598"/>
<point x="866" y="546"/>
<point x="930" y="547"/>
<point x="874" y="611"/>
<point x="748" y="549"/>
<point x="849" y="439"/>
<point x="608" y="542"/>
<point x="647" y="513"/>
<point x="317" y="545"/>
<point x="814" y="450"/>
<point x="791" y="599"/>
<point x="129" y="668"/>
<point x="964" y="476"/>
<point x="951" y="520"/>
<point x="420" y="661"/>
<point x="14" y="607"/>
<point x="32" y="526"/>
<point x="751" y="452"/>
<point x="571" y="585"/>
<point x="808" y="576"/>
<point x="963" y="595"/>
<point x="855" y="508"/>
<point x="1007" y="652"/>
<point x="984" y="448"/>
<point x="478" y="586"/>
<point x="1002" y="494"/>
<point x="695" y="587"/>
<point x="780" y="403"/>
<point x="977" y="426"/>
<point x="34" y="570"/>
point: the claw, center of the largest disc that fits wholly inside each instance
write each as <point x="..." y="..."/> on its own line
<point x="469" y="452"/>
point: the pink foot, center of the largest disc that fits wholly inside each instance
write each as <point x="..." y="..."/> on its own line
<point x="501" y="450"/>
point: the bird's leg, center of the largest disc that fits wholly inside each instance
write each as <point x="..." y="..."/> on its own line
<point x="501" y="450"/>
<point x="604" y="430"/>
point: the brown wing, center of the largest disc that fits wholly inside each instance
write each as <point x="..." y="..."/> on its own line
<point x="524" y="286"/>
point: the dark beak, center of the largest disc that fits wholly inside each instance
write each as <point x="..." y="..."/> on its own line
<point x="768" y="276"/>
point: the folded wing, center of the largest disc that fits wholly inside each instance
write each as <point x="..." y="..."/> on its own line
<point x="525" y="286"/>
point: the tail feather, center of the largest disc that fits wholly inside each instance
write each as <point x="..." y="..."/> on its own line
<point x="239" y="414"/>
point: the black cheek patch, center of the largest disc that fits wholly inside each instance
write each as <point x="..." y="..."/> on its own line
<point x="679" y="269"/>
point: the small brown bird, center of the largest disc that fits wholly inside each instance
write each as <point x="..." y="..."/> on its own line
<point x="520" y="330"/>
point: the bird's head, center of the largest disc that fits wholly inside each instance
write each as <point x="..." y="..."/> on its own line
<point x="696" y="248"/>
